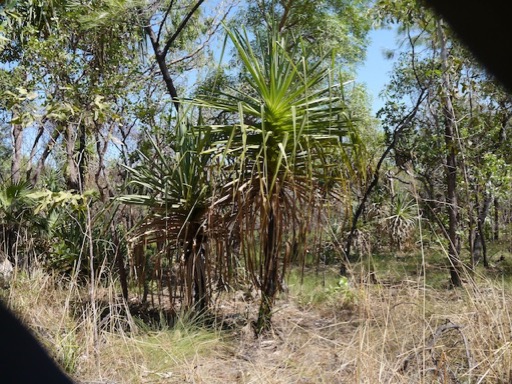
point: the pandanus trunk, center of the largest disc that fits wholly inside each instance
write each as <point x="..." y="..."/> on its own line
<point x="270" y="276"/>
<point x="195" y="272"/>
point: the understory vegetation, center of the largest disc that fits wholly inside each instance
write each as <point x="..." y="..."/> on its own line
<point x="196" y="191"/>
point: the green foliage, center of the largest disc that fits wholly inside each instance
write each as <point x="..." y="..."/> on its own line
<point x="68" y="352"/>
<point x="48" y="200"/>
<point x="325" y="26"/>
<point x="56" y="223"/>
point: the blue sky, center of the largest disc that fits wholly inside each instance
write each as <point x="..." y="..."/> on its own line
<point x="375" y="71"/>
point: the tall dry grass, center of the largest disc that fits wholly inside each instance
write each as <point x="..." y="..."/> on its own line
<point x="325" y="331"/>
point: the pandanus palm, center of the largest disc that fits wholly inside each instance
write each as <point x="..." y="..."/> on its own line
<point x="175" y="189"/>
<point x="291" y="128"/>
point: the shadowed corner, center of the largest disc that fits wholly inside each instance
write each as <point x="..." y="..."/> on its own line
<point x="22" y="359"/>
<point x="484" y="28"/>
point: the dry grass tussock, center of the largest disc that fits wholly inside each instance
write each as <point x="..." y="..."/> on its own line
<point x="324" y="332"/>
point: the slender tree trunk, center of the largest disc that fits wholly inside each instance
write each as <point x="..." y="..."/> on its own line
<point x="473" y="227"/>
<point x="496" y="229"/>
<point x="480" y="245"/>
<point x="82" y="157"/>
<point x="453" y="222"/>
<point x="35" y="143"/>
<point x="451" y="165"/>
<point x="166" y="76"/>
<point x="34" y="177"/>
<point x="123" y="279"/>
<point x="104" y="186"/>
<point x="504" y="127"/>
<point x="17" y="140"/>
<point x="76" y="159"/>
<point x="471" y="235"/>
<point x="160" y="50"/>
<point x="71" y="174"/>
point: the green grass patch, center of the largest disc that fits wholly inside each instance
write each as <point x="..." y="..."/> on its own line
<point x="313" y="288"/>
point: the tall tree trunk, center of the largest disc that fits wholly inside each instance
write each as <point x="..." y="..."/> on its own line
<point x="451" y="165"/>
<point x="71" y="174"/>
<point x="496" y="229"/>
<point x="472" y="234"/>
<point x="17" y="140"/>
<point x="480" y="245"/>
<point x="34" y="177"/>
<point x="35" y="143"/>
<point x="76" y="159"/>
<point x="104" y="186"/>
<point x="82" y="157"/>
<point x="504" y="127"/>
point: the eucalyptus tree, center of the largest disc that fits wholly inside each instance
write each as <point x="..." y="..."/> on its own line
<point x="285" y="135"/>
<point x="92" y="65"/>
<point x="21" y="22"/>
<point x="16" y="29"/>
<point x="65" y="90"/>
